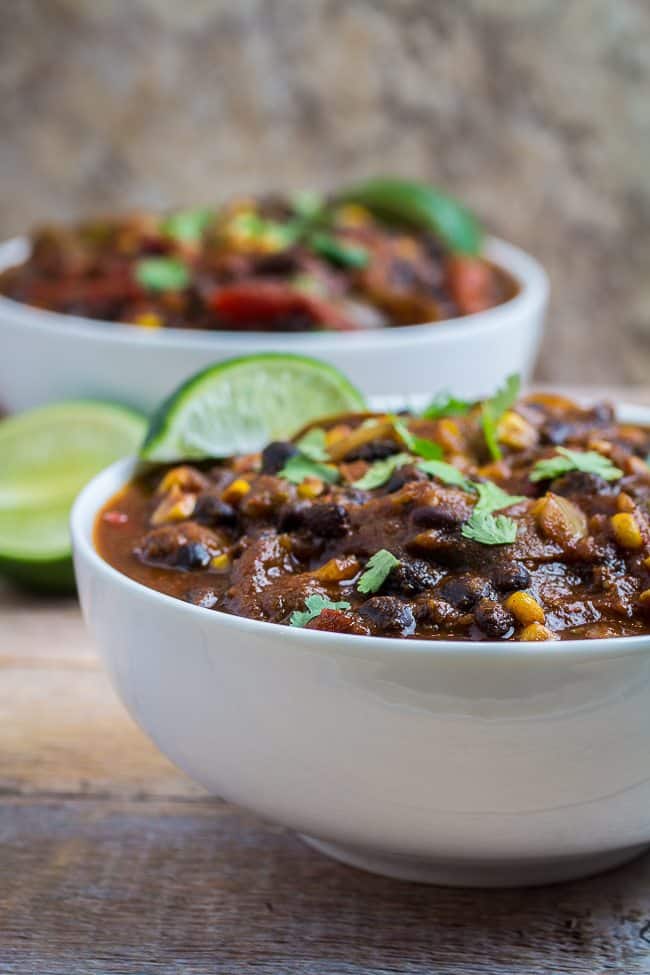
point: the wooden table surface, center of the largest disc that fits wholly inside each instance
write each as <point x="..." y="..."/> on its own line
<point x="111" y="861"/>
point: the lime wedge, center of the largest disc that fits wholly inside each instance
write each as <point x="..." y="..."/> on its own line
<point x="238" y="406"/>
<point x="47" y="455"/>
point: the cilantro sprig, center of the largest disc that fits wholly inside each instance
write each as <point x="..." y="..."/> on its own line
<point x="377" y="570"/>
<point x="381" y="471"/>
<point x="313" y="444"/>
<point x="483" y="525"/>
<point x="315" y="605"/>
<point x="162" y="274"/>
<point x="427" y="449"/>
<point x="444" y="404"/>
<point x="565" y="460"/>
<point x="446" y="473"/>
<point x="298" y="467"/>
<point x="339" y="251"/>
<point x="186" y="225"/>
<point x="489" y="529"/>
<point x="494" y="408"/>
<point x="493" y="498"/>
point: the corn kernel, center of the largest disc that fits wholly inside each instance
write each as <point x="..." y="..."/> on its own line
<point x="525" y="608"/>
<point x="336" y="433"/>
<point x="175" y="507"/>
<point x="338" y="569"/>
<point x="626" y="530"/>
<point x="624" y="502"/>
<point x="515" y="432"/>
<point x="646" y="562"/>
<point x="236" y="491"/>
<point x="600" y="446"/>
<point x="352" y="215"/>
<point x="220" y="563"/>
<point x="184" y="477"/>
<point x="148" y="319"/>
<point x="448" y="435"/>
<point x="285" y="541"/>
<point x="406" y="248"/>
<point x="497" y="471"/>
<point x="644" y="598"/>
<point x="310" y="488"/>
<point x="637" y="466"/>
<point x="535" y="633"/>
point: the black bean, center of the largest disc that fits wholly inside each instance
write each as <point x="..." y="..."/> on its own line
<point x="276" y="455"/>
<point x="211" y="510"/>
<point x="580" y="482"/>
<point x="291" y="516"/>
<point x="436" y="516"/>
<point x="464" y="591"/>
<point x="326" y="520"/>
<point x="492" y="618"/>
<point x="511" y="576"/>
<point x="377" y="450"/>
<point x="411" y="577"/>
<point x="388" y="613"/>
<point x="404" y="475"/>
<point x="556" y="432"/>
<point x="603" y="413"/>
<point x="284" y="263"/>
<point x="191" y="555"/>
<point x="207" y="598"/>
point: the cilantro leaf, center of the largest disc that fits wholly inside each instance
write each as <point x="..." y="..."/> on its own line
<point x="444" y="404"/>
<point x="381" y="471"/>
<point x="417" y="445"/>
<point x="377" y="570"/>
<point x="588" y="461"/>
<point x="494" y="408"/>
<point x="186" y="225"/>
<point x="312" y="444"/>
<point x="298" y="467"/>
<point x="492" y="498"/>
<point x="307" y="203"/>
<point x="315" y="605"/>
<point x="489" y="529"/>
<point x="446" y="473"/>
<point x="338" y="251"/>
<point x="162" y="274"/>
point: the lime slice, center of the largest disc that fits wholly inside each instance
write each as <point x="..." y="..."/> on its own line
<point x="48" y="454"/>
<point x="238" y="406"/>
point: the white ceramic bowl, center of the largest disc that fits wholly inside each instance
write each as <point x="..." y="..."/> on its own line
<point x="47" y="356"/>
<point x="480" y="764"/>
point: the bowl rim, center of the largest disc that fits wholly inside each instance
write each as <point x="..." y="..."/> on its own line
<point x="109" y="481"/>
<point x="530" y="275"/>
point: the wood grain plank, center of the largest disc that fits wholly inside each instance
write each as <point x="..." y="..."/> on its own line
<point x="127" y="888"/>
<point x="64" y="732"/>
<point x="47" y="629"/>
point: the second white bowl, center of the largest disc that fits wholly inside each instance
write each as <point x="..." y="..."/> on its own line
<point x="47" y="356"/>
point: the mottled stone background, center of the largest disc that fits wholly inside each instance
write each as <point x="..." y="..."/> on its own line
<point x="535" y="111"/>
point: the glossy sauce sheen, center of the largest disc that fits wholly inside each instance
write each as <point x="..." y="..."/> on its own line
<point x="237" y="537"/>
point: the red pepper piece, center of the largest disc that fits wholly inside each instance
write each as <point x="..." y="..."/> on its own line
<point x="115" y="517"/>
<point x="251" y="304"/>
<point x="470" y="282"/>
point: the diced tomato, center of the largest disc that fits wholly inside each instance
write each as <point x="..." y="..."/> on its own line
<point x="337" y="621"/>
<point x="115" y="517"/>
<point x="470" y="283"/>
<point x="249" y="304"/>
<point x="89" y="292"/>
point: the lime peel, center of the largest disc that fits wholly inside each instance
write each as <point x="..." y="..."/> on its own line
<point x="240" y="405"/>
